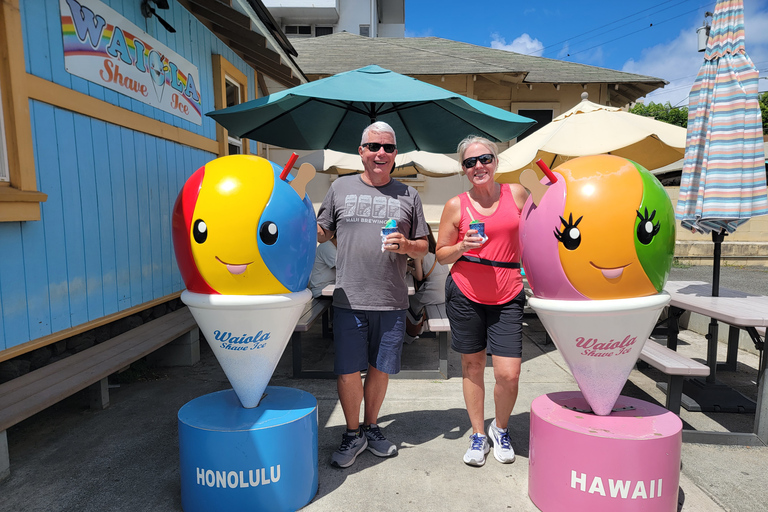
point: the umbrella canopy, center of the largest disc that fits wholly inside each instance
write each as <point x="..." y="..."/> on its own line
<point x="406" y="164"/>
<point x="333" y="112"/>
<point x="592" y="129"/>
<point x="723" y="180"/>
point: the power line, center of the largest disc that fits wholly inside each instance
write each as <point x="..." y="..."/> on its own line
<point x="635" y="32"/>
<point x="623" y="19"/>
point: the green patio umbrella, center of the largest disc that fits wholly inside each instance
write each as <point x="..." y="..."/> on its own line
<point x="333" y="112"/>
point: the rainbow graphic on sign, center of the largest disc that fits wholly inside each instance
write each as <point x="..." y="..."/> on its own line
<point x="103" y="47"/>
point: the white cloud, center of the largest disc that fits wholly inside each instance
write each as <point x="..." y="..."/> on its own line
<point x="427" y="32"/>
<point x="678" y="61"/>
<point x="523" y="44"/>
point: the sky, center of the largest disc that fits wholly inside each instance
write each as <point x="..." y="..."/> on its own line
<point x="648" y="37"/>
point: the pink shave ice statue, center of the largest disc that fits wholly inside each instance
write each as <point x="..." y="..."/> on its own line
<point x="597" y="238"/>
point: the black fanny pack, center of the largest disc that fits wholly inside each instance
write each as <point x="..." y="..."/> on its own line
<point x="490" y="263"/>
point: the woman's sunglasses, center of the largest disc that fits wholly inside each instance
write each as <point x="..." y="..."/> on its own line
<point x="472" y="161"/>
<point x="375" y="147"/>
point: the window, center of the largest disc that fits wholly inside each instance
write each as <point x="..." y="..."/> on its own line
<point x="298" y="30"/>
<point x="233" y="98"/>
<point x="230" y="87"/>
<point x="540" y="111"/>
<point x="19" y="198"/>
<point x="365" y="30"/>
<point x="323" y="31"/>
<point x="541" y="116"/>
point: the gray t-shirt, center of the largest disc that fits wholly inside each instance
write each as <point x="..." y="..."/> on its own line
<point x="366" y="277"/>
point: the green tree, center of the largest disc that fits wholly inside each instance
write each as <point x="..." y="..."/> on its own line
<point x="666" y="113"/>
<point x="763" y="100"/>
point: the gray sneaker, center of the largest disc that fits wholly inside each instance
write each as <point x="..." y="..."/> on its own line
<point x="478" y="449"/>
<point x="502" y="447"/>
<point x="352" y="445"/>
<point x="377" y="443"/>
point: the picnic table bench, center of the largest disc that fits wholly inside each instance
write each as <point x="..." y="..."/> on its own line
<point x="29" y="394"/>
<point x="739" y="310"/>
<point x="316" y="308"/>
<point x="437" y="322"/>
<point x="676" y="367"/>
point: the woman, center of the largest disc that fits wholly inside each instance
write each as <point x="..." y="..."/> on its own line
<point x="430" y="276"/>
<point x="484" y="293"/>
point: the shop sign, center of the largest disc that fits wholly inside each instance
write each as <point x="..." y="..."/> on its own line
<point x="103" y="47"/>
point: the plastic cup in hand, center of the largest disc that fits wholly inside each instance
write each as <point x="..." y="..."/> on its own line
<point x="480" y="227"/>
<point x="384" y="233"/>
<point x="389" y="228"/>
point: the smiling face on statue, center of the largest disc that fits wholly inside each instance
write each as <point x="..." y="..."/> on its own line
<point x="605" y="230"/>
<point x="238" y="229"/>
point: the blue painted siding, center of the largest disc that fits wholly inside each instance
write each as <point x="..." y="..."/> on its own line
<point x="103" y="243"/>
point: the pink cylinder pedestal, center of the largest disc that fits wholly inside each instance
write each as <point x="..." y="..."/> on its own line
<point x="628" y="460"/>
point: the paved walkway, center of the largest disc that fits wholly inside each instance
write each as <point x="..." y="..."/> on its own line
<point x="125" y="458"/>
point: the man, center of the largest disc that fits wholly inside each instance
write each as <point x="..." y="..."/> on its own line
<point x="371" y="296"/>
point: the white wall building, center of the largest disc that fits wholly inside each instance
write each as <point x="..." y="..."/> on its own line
<point x="312" y="18"/>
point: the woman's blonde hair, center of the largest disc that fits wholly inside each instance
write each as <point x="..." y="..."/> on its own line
<point x="475" y="139"/>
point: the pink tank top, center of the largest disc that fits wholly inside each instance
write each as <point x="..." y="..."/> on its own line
<point x="483" y="283"/>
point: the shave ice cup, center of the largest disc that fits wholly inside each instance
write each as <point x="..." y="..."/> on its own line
<point x="480" y="227"/>
<point x="389" y="228"/>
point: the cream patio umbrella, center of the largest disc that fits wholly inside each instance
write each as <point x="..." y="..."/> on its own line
<point x="592" y="129"/>
<point x="406" y="164"/>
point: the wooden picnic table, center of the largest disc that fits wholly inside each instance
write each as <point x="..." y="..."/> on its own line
<point x="740" y="310"/>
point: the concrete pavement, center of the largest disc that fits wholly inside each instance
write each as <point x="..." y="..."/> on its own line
<point x="125" y="458"/>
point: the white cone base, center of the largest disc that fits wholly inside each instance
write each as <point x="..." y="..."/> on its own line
<point x="600" y="340"/>
<point x="248" y="334"/>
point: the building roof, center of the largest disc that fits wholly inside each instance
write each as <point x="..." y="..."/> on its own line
<point x="331" y="54"/>
<point x="239" y="33"/>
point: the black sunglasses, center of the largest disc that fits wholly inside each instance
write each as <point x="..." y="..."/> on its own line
<point x="375" y="147"/>
<point x="470" y="162"/>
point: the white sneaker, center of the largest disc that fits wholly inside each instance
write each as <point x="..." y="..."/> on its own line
<point x="502" y="447"/>
<point x="478" y="449"/>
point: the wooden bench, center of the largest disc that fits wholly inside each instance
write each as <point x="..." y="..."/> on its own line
<point x="676" y="366"/>
<point x="29" y="394"/>
<point x="316" y="308"/>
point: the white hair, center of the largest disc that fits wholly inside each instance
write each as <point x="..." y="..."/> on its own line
<point x="378" y="127"/>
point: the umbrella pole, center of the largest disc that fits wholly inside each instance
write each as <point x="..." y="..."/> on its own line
<point x="712" y="332"/>
<point x="717" y="238"/>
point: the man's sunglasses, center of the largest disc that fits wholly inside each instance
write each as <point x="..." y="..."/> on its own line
<point x="472" y="161"/>
<point x="375" y="147"/>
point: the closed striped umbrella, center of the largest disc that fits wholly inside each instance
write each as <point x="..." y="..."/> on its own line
<point x="723" y="181"/>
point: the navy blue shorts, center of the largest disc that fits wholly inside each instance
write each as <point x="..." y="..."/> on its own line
<point x="476" y="327"/>
<point x="361" y="338"/>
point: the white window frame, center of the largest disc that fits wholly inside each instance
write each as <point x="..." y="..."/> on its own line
<point x="228" y="80"/>
<point x="5" y="176"/>
<point x="298" y="33"/>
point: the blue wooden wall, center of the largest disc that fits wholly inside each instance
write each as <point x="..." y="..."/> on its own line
<point x="104" y="241"/>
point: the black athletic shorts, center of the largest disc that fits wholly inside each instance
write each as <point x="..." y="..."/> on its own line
<point x="476" y="327"/>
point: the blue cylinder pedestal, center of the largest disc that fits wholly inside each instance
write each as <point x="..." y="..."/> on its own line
<point x="259" y="459"/>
